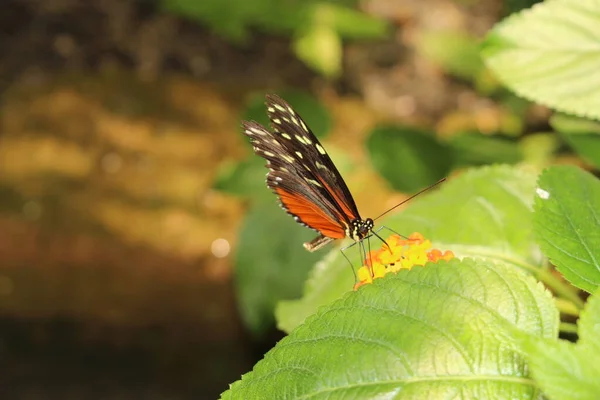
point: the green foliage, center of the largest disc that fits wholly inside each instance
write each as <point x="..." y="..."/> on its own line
<point x="270" y="263"/>
<point x="482" y="325"/>
<point x="408" y="158"/>
<point x="581" y="134"/>
<point x="267" y="271"/>
<point x="550" y="54"/>
<point x="244" y="178"/>
<point x="441" y="330"/>
<point x="486" y="313"/>
<point x="512" y="6"/>
<point x="484" y="213"/>
<point x="566" y="371"/>
<point x="456" y="52"/>
<point x="567" y="218"/>
<point x="472" y="149"/>
<point x="321" y="49"/>
<point x="317" y="26"/>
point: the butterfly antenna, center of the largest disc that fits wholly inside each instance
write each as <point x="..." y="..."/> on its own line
<point x="411" y="197"/>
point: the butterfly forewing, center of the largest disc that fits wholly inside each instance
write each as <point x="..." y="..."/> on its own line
<point x="304" y="145"/>
<point x="306" y="181"/>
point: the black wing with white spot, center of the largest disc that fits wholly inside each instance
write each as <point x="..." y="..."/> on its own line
<point x="301" y="173"/>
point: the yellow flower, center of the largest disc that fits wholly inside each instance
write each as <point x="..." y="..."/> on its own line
<point x="401" y="253"/>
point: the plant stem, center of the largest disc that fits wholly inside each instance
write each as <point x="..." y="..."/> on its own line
<point x="566" y="307"/>
<point x="559" y="287"/>
<point x="567" y="327"/>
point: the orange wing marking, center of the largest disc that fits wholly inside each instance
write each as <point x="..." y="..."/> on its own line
<point x="311" y="215"/>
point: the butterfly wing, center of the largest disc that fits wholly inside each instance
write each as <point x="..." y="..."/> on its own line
<point x="306" y="181"/>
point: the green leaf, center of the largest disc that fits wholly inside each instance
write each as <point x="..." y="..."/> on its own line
<point x="566" y="371"/>
<point x="245" y="178"/>
<point x="456" y="52"/>
<point x="538" y="149"/>
<point x="228" y="18"/>
<point x="549" y="54"/>
<point x="443" y="330"/>
<point x="581" y="134"/>
<point x="408" y="158"/>
<point x="270" y="263"/>
<point x="320" y="47"/>
<point x="349" y="23"/>
<point x="477" y="149"/>
<point x="485" y="213"/>
<point x="306" y="105"/>
<point x="586" y="146"/>
<point x="573" y="125"/>
<point x="566" y="221"/>
<point x="512" y="6"/>
<point x="589" y="324"/>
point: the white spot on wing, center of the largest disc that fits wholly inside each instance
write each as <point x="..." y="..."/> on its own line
<point x="312" y="181"/>
<point x="257" y="131"/>
<point x="299" y="155"/>
<point x="544" y="195"/>
<point x="300" y="139"/>
<point x="320" y="149"/>
<point x="304" y="126"/>
<point x="286" y="136"/>
<point x="280" y="108"/>
<point x="277" y="121"/>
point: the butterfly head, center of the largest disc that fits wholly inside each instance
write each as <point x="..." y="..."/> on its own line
<point x="359" y="228"/>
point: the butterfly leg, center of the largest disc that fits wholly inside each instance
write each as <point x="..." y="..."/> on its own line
<point x="343" y="249"/>
<point x="364" y="252"/>
<point x="391" y="230"/>
<point x="374" y="233"/>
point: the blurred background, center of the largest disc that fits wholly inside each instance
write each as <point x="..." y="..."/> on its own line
<point x="141" y="255"/>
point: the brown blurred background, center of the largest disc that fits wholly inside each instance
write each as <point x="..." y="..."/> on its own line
<point x="115" y="252"/>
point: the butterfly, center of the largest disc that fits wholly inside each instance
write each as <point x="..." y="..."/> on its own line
<point x="305" y="180"/>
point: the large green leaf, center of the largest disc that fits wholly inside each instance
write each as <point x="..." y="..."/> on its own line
<point x="485" y="212"/>
<point x="270" y="263"/>
<point x="550" y="54"/>
<point x="566" y="371"/>
<point x="408" y="158"/>
<point x="442" y="331"/>
<point x="567" y="217"/>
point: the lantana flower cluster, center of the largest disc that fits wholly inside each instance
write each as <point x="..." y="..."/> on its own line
<point x="403" y="253"/>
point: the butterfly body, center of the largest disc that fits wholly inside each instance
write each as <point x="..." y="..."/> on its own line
<point x="307" y="183"/>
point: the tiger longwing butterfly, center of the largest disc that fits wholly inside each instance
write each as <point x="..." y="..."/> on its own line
<point x="301" y="174"/>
